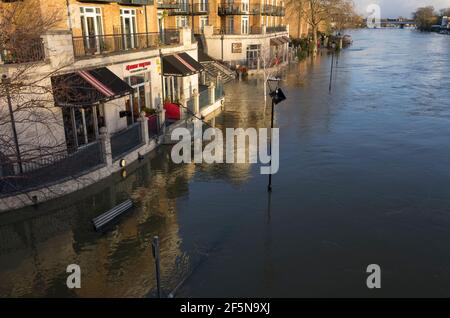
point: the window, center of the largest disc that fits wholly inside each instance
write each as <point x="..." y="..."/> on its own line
<point x="244" y="25"/>
<point x="128" y="23"/>
<point x="181" y="21"/>
<point x="203" y="22"/>
<point x="203" y="5"/>
<point x="91" y="27"/>
<point x="244" y="5"/>
<point x="230" y="29"/>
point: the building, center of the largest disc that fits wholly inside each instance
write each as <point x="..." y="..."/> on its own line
<point x="246" y="33"/>
<point x="111" y="68"/>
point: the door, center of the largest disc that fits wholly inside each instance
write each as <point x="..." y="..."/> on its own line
<point x="203" y="23"/>
<point x="128" y="17"/>
<point x="244" y="25"/>
<point x="92" y="28"/>
<point x="139" y="101"/>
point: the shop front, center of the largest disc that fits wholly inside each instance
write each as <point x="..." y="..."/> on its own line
<point x="82" y="96"/>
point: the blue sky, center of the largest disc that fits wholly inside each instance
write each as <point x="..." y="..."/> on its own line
<point x="395" y="8"/>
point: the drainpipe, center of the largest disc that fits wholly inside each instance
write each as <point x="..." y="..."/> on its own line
<point x="146" y="24"/>
<point x="68" y="15"/>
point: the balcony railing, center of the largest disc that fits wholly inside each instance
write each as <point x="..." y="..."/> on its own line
<point x="244" y="8"/>
<point x="273" y="29"/>
<point x="255" y="29"/>
<point x="104" y="44"/>
<point x="168" y="4"/>
<point x="25" y="52"/>
<point x="198" y="8"/>
<point x="273" y="10"/>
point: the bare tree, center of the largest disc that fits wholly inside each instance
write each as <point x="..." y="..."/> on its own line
<point x="30" y="125"/>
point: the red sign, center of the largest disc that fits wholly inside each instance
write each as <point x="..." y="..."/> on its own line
<point x="138" y="66"/>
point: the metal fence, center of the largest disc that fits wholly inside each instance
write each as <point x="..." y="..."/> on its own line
<point x="31" y="51"/>
<point x="273" y="29"/>
<point x="218" y="91"/>
<point x="103" y="44"/>
<point x="126" y="140"/>
<point x="50" y="169"/>
<point x="203" y="99"/>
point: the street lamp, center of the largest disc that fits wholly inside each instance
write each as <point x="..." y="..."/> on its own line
<point x="6" y="81"/>
<point x="277" y="96"/>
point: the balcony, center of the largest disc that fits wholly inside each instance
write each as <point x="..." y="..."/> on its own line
<point x="107" y="44"/>
<point x="273" y="10"/>
<point x="168" y="4"/>
<point x="255" y="29"/>
<point x="199" y="8"/>
<point x="238" y="9"/>
<point x="26" y="52"/>
<point x="126" y="2"/>
<point x="274" y="29"/>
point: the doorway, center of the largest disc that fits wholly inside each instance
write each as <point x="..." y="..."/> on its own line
<point x="92" y="28"/>
<point x="128" y="22"/>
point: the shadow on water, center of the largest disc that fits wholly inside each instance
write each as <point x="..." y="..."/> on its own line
<point x="363" y="179"/>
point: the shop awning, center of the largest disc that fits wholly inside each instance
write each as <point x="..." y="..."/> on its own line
<point x="286" y="39"/>
<point x="88" y="87"/>
<point x="180" y="64"/>
<point x="275" y="42"/>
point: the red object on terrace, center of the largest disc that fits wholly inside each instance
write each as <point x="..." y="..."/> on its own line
<point x="172" y="111"/>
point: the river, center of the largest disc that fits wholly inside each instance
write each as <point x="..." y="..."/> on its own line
<point x="364" y="179"/>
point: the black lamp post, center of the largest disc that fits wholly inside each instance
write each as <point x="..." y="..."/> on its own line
<point x="277" y="96"/>
<point x="7" y="81"/>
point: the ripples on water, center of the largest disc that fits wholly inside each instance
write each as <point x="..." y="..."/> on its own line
<point x="363" y="179"/>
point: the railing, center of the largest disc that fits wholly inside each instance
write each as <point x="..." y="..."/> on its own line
<point x="272" y="10"/>
<point x="218" y="91"/>
<point x="126" y="140"/>
<point x="103" y="44"/>
<point x="252" y="30"/>
<point x="273" y="29"/>
<point x="29" y="51"/>
<point x="242" y="8"/>
<point x="185" y="8"/>
<point x="167" y="4"/>
<point x="50" y="168"/>
<point x="203" y="99"/>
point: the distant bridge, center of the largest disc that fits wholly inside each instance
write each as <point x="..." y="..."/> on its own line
<point x="396" y="23"/>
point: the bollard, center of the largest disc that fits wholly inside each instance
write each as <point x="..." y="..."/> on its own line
<point x="155" y="250"/>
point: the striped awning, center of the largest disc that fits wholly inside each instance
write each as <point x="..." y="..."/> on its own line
<point x="180" y="64"/>
<point x="88" y="87"/>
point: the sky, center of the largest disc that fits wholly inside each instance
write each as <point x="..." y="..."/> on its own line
<point x="396" y="8"/>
